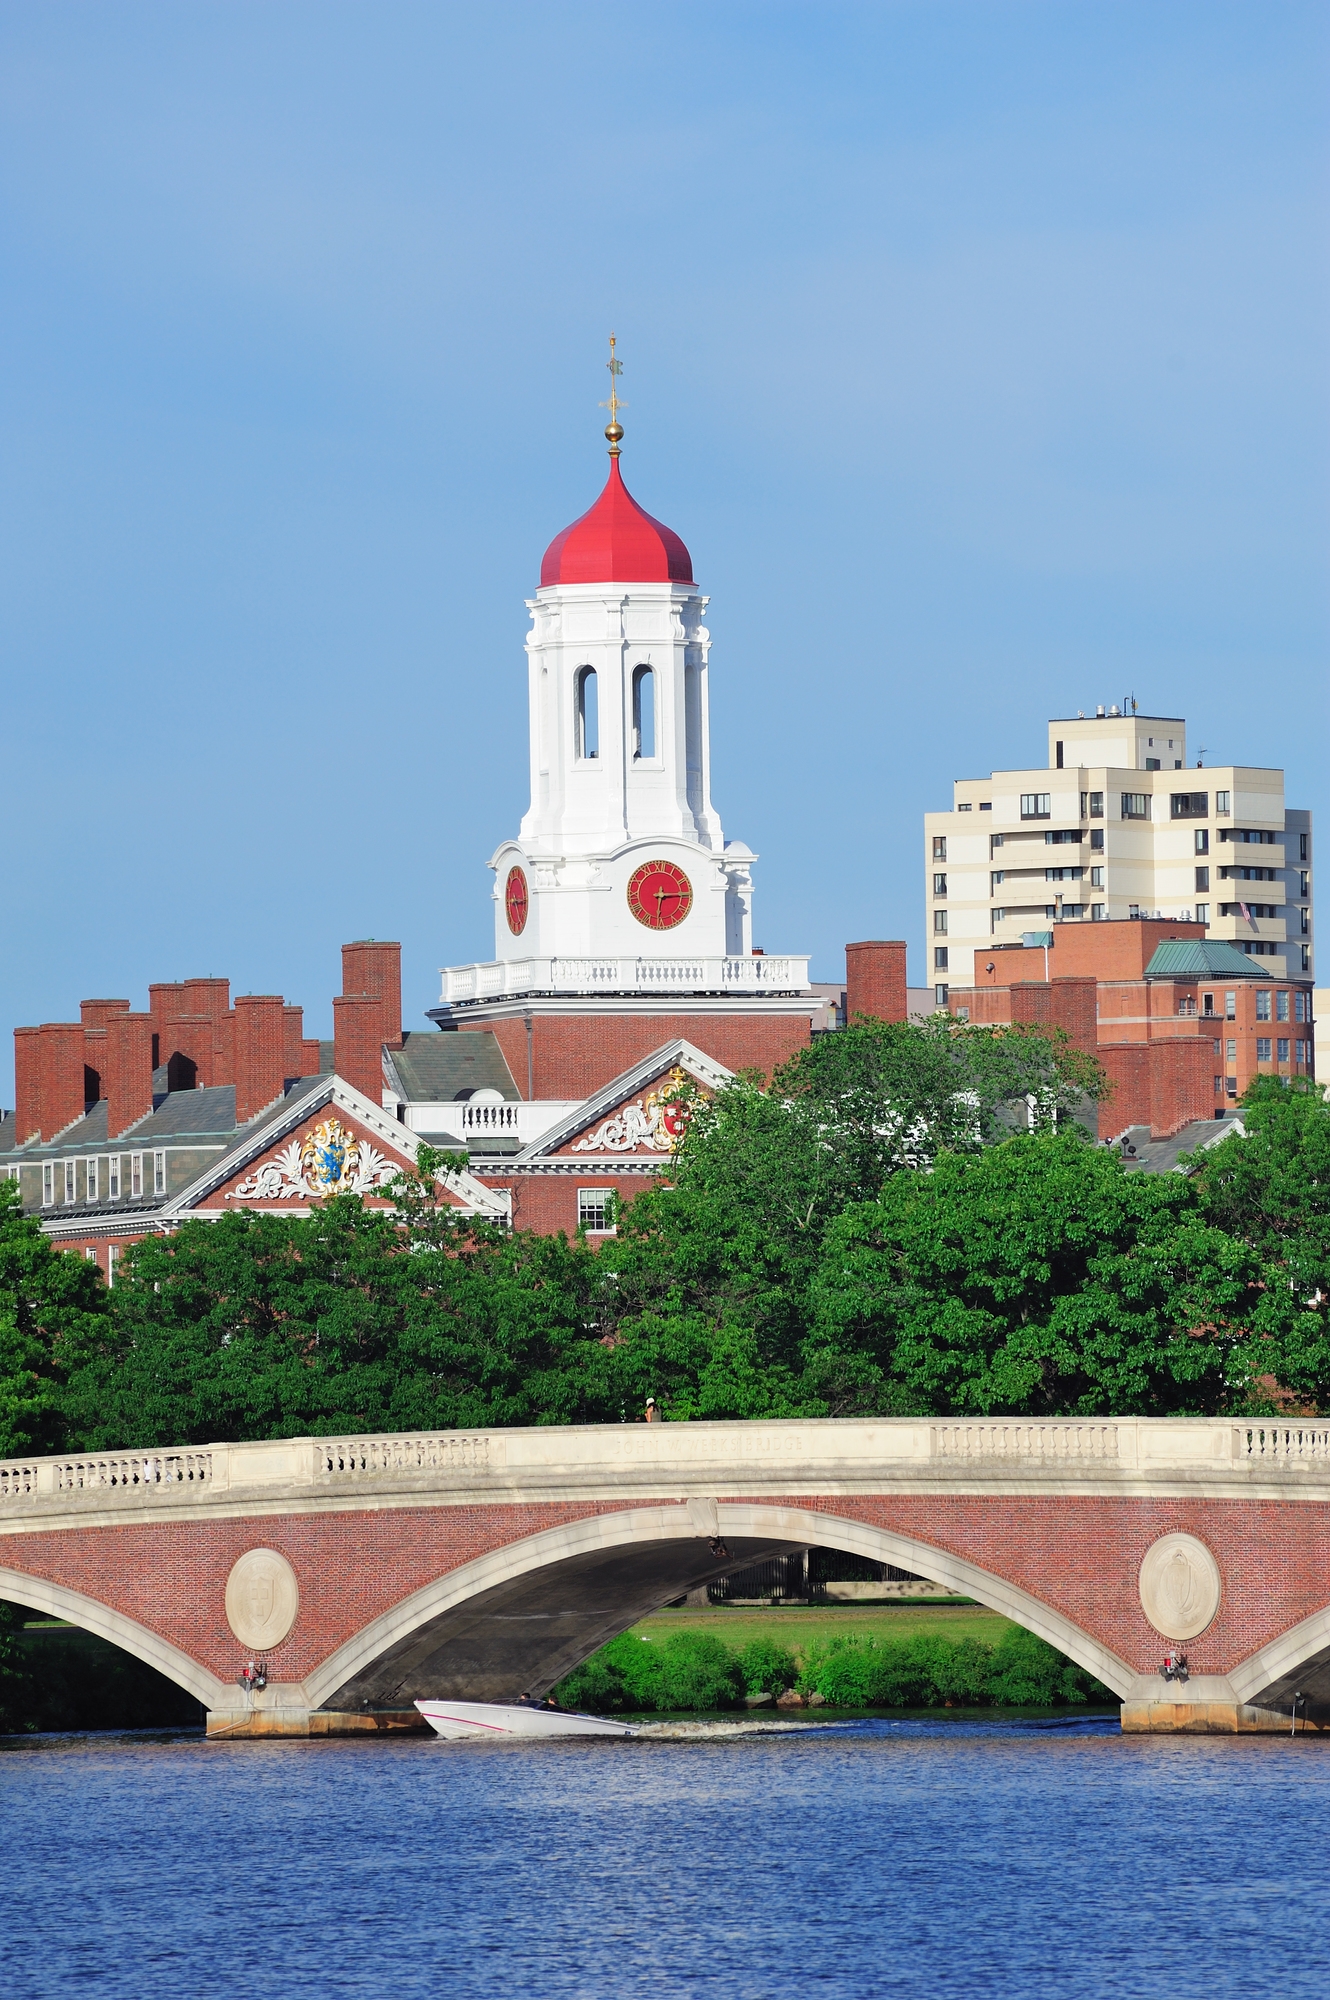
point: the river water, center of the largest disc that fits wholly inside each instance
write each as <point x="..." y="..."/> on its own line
<point x="922" y="1857"/>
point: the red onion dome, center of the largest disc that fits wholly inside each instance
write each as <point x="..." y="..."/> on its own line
<point x="616" y="541"/>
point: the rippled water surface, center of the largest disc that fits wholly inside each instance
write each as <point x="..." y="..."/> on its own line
<point x="875" y="1857"/>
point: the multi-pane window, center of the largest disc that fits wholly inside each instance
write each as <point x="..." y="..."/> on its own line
<point x="1096" y="805"/>
<point x="939" y="847"/>
<point x="1231" y="1005"/>
<point x="1097" y="839"/>
<point x="1222" y="802"/>
<point x="71" y="1180"/>
<point x="48" y="1183"/>
<point x="595" y="1210"/>
<point x="1231" y="1050"/>
<point x="1096" y="913"/>
<point x="90" y="1185"/>
<point x="1263" y="1048"/>
<point x="1304" y="922"/>
<point x="1096" y="878"/>
<point x="1306" y="958"/>
<point x="159" y="1173"/>
<point x="1202" y="913"/>
<point x="1304" y="882"/>
<point x="1281" y="1049"/>
<point x="1136" y="805"/>
<point x="940" y="958"/>
<point x="1189" y="805"/>
<point x="1036" y="805"/>
<point x="1202" y="840"/>
<point x="940" y="922"/>
<point x="112" y="1259"/>
<point x="1202" y="878"/>
<point x="1281" y="1007"/>
<point x="940" y="1000"/>
<point x="939" y="885"/>
<point x="1263" y="1006"/>
<point x="1300" y="1005"/>
<point x="136" y="1176"/>
<point x="113" y="1178"/>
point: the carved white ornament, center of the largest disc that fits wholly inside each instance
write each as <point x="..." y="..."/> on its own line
<point x="262" y="1599"/>
<point x="1180" y="1586"/>
<point x="330" y="1160"/>
<point x="656" y="1122"/>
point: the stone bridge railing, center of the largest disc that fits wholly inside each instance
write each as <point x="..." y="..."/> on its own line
<point x="1122" y="1455"/>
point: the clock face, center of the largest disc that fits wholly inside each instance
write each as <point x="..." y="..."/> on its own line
<point x="516" y="901"/>
<point x="660" y="895"/>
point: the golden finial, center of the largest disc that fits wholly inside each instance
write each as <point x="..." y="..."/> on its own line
<point x="614" y="429"/>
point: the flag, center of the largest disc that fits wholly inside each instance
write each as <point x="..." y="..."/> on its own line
<point x="1246" y="911"/>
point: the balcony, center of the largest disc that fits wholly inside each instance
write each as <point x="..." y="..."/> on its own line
<point x="482" y="1123"/>
<point x="634" y="973"/>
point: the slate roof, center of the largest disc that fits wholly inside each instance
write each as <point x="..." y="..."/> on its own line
<point x="436" y="1067"/>
<point x="1161" y="1156"/>
<point x="1203" y="958"/>
<point x="181" y="1115"/>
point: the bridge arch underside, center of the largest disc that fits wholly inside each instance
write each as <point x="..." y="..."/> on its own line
<point x="518" y="1621"/>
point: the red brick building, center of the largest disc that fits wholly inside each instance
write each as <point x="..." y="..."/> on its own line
<point x="1180" y="1023"/>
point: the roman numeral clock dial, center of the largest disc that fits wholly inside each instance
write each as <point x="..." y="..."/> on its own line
<point x="660" y="895"/>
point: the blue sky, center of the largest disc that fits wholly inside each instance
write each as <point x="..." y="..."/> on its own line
<point x="976" y="351"/>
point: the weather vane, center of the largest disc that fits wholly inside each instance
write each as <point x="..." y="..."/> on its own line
<point x="614" y="429"/>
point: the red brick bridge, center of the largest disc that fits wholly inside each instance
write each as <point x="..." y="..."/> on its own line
<point x="368" y="1571"/>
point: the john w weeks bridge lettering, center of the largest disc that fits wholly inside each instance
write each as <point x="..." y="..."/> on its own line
<point x="369" y="1571"/>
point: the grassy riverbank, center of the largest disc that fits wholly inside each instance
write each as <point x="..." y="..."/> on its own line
<point x="800" y="1627"/>
<point x="914" y="1656"/>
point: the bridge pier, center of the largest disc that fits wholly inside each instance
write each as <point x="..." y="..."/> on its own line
<point x="291" y="1719"/>
<point x="1215" y="1718"/>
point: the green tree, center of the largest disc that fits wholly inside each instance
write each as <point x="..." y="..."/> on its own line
<point x="52" y="1315"/>
<point x="1268" y="1188"/>
<point x="1040" y="1277"/>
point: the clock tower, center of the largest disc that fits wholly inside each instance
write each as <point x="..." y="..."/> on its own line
<point x="622" y="850"/>
<point x="622" y="915"/>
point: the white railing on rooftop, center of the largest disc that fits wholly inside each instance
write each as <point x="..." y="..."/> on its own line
<point x="637" y="972"/>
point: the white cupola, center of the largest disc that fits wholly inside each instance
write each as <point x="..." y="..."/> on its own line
<point x="621" y="851"/>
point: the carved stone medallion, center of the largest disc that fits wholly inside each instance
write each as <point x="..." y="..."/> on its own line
<point x="262" y="1599"/>
<point x="1180" y="1586"/>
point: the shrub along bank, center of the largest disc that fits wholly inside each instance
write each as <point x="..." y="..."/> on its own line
<point x="697" y="1670"/>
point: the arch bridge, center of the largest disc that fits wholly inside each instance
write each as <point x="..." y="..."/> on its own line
<point x="368" y="1571"/>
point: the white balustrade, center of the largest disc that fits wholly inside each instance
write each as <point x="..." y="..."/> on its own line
<point x="122" y="1471"/>
<point x="1044" y="1440"/>
<point x="442" y="1451"/>
<point x="631" y="973"/>
<point x="1286" y="1443"/>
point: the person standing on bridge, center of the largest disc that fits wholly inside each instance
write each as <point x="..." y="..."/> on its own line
<point x="651" y="1414"/>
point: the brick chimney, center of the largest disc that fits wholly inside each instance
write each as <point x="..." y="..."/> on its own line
<point x="358" y="1042"/>
<point x="210" y="1000"/>
<point x="875" y="981"/>
<point x="28" y="1082"/>
<point x="293" y="1039"/>
<point x="376" y="968"/>
<point x="62" y="1052"/>
<point x="260" y="1052"/>
<point x="127" y="1071"/>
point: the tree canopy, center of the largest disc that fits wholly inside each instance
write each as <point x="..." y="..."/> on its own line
<point x="907" y="1220"/>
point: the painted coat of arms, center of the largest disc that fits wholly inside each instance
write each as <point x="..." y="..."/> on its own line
<point x="656" y="1122"/>
<point x="329" y="1160"/>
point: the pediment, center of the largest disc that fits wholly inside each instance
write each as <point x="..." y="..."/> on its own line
<point x="639" y="1115"/>
<point x="326" y="1141"/>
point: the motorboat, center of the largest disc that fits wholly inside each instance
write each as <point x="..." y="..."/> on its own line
<point x="516" y="1718"/>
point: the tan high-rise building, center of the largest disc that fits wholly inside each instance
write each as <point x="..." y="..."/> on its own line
<point x="1117" y="824"/>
